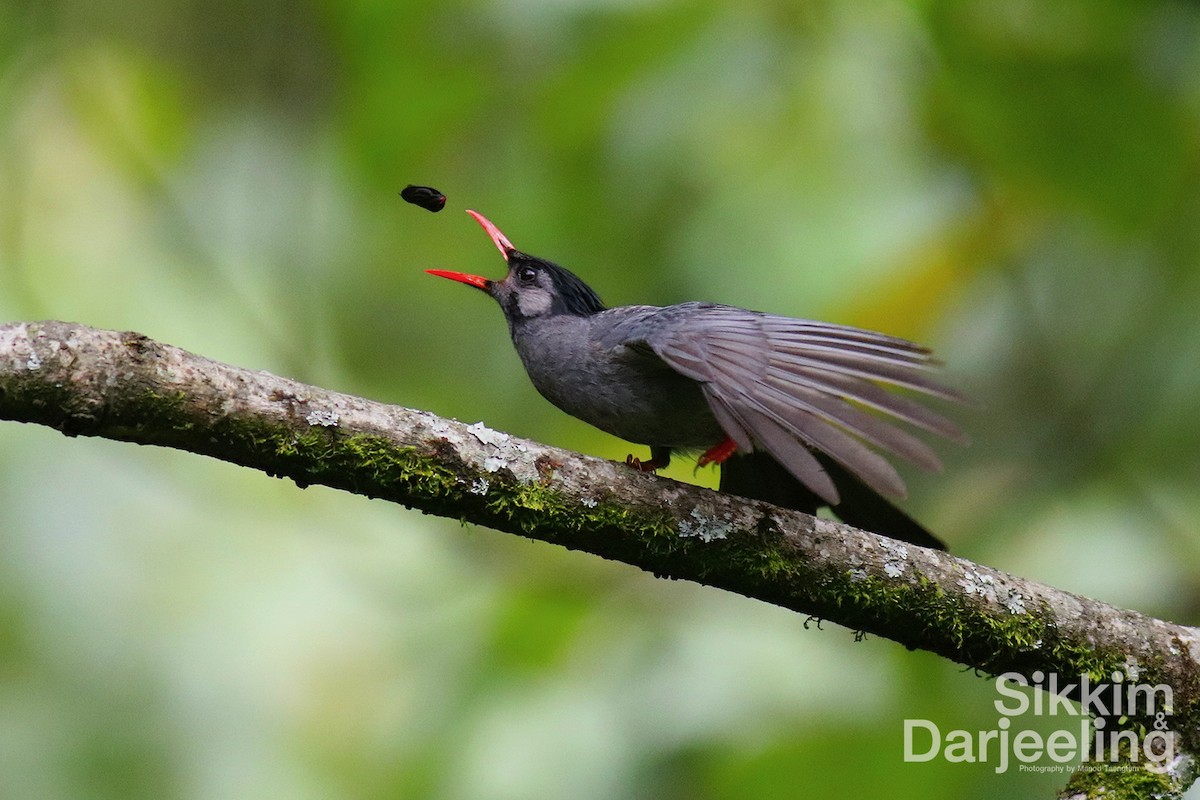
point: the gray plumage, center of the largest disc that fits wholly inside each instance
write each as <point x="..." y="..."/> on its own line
<point x="687" y="376"/>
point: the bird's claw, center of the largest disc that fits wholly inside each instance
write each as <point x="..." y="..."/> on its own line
<point x="650" y="465"/>
<point x="717" y="454"/>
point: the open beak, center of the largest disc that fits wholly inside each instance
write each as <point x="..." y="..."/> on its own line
<point x="462" y="277"/>
<point x="501" y="241"/>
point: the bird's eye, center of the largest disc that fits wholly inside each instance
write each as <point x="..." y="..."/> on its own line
<point x="527" y="275"/>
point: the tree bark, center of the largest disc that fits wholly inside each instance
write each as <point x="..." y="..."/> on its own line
<point x="121" y="385"/>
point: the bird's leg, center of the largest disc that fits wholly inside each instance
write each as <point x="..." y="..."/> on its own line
<point x="717" y="454"/>
<point x="660" y="457"/>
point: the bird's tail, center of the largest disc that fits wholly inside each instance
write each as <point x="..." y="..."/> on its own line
<point x="760" y="477"/>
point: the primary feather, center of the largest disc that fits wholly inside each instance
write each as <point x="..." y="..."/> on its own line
<point x="787" y="385"/>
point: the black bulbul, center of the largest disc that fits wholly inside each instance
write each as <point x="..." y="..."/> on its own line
<point x="796" y="412"/>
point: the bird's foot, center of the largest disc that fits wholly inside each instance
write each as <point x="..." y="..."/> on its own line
<point x="717" y="454"/>
<point x="649" y="465"/>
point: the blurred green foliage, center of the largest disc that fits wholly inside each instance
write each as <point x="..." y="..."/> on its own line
<point x="1016" y="183"/>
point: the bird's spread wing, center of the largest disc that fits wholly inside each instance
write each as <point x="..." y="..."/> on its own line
<point x="791" y="386"/>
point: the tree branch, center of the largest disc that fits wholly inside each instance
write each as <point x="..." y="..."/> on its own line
<point x="124" y="386"/>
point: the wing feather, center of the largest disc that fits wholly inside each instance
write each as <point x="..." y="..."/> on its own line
<point x="869" y="427"/>
<point x="780" y="393"/>
<point x="729" y="419"/>
<point x="874" y="396"/>
<point x="793" y="386"/>
<point x="873" y="468"/>
<point x="782" y="443"/>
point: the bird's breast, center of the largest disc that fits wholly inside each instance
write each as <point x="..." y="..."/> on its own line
<point x="624" y="390"/>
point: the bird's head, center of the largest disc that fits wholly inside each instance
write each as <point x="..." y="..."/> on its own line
<point x="533" y="286"/>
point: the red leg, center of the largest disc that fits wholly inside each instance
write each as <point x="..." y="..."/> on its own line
<point x="717" y="454"/>
<point x="660" y="457"/>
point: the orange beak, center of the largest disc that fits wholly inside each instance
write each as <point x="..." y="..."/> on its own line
<point x="502" y="244"/>
<point x="462" y="277"/>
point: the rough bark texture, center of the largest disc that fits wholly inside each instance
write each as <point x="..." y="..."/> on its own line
<point x="121" y="385"/>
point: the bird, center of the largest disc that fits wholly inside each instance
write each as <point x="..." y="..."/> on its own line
<point x="797" y="413"/>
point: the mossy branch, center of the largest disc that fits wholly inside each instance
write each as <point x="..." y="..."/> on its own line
<point x="124" y="386"/>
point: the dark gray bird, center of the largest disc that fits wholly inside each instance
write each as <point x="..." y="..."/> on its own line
<point x="795" y="411"/>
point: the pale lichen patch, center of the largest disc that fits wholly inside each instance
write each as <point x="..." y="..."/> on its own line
<point x="325" y="419"/>
<point x="488" y="436"/>
<point x="975" y="582"/>
<point x="1015" y="604"/>
<point x="706" y="529"/>
<point x="897" y="555"/>
<point x="494" y="463"/>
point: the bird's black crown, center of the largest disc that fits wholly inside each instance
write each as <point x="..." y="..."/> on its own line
<point x="576" y="296"/>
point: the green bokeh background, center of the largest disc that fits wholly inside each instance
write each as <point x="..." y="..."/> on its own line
<point x="1015" y="183"/>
